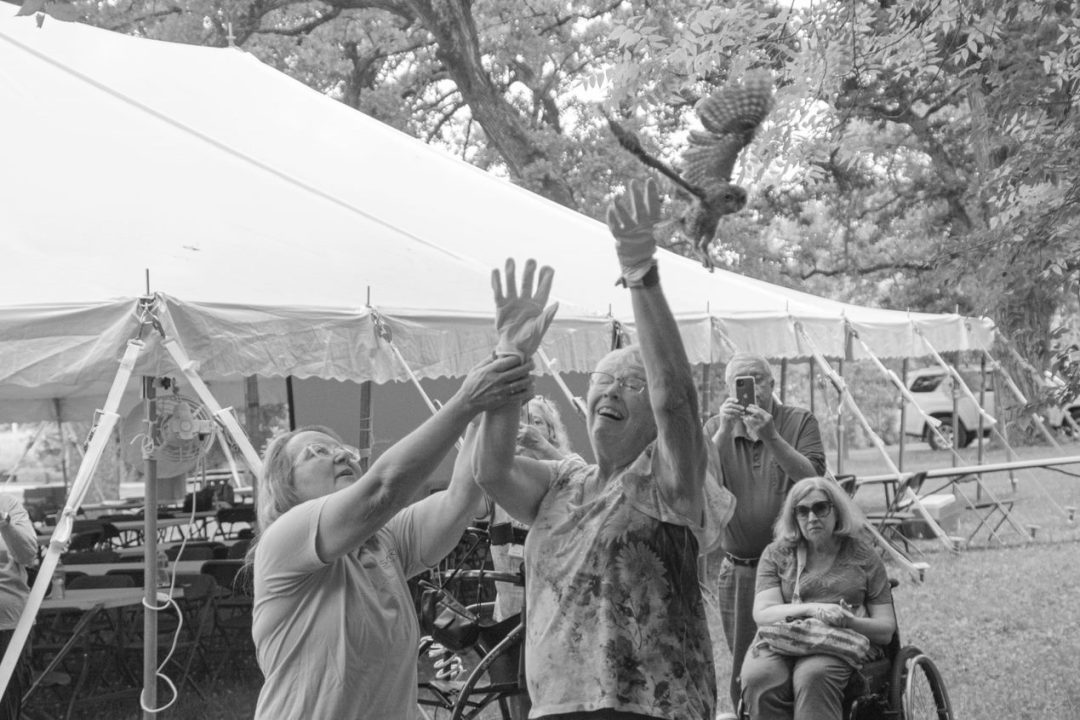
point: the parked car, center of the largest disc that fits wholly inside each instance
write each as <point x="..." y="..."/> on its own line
<point x="932" y="389"/>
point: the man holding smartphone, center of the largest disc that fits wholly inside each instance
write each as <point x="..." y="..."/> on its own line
<point x="764" y="448"/>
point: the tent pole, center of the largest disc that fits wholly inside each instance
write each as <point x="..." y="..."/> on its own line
<point x="99" y="436"/>
<point x="905" y="394"/>
<point x="846" y="398"/>
<point x="783" y="380"/>
<point x="364" y="441"/>
<point x="150" y="576"/>
<point x="982" y="424"/>
<point x="289" y="401"/>
<point x="63" y="445"/>
<point x="384" y="333"/>
<point x="903" y="413"/>
<point x="959" y="383"/>
<point x="1018" y="393"/>
<point x="575" y="402"/>
<point x="222" y="415"/>
<point x="840" y="416"/>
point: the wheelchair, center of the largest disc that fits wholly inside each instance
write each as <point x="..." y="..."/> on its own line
<point x="489" y="652"/>
<point x="905" y="684"/>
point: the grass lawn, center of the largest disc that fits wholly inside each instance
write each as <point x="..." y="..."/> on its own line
<point x="1001" y="620"/>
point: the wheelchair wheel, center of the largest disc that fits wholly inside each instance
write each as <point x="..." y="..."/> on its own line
<point x="917" y="691"/>
<point x="493" y="680"/>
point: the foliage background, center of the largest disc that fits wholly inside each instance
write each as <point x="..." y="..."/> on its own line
<point x="923" y="154"/>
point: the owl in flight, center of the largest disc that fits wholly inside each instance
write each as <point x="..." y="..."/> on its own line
<point x="730" y="117"/>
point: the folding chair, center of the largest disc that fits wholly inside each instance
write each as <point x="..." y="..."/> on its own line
<point x="192" y="551"/>
<point x="228" y="518"/>
<point x="88" y="557"/>
<point x="238" y="550"/>
<point x="233" y="613"/>
<point x="988" y="507"/>
<point x="890" y="522"/>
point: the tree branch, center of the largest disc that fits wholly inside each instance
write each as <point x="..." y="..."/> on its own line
<point x="303" y="28"/>
<point x="446" y="116"/>
<point x="559" y="22"/>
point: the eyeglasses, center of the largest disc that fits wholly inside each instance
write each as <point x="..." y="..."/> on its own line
<point x="323" y="450"/>
<point x="606" y="380"/>
<point x="821" y="509"/>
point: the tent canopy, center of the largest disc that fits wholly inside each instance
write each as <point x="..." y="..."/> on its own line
<point x="272" y="226"/>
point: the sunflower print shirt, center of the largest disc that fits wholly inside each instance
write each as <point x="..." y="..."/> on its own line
<point x="615" y="614"/>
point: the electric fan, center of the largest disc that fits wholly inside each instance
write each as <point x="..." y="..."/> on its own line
<point x="184" y="431"/>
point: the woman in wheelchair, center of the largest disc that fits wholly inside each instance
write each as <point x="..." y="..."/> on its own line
<point x="816" y="567"/>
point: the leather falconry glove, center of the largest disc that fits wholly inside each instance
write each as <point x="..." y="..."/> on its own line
<point x="632" y="221"/>
<point x="520" y="317"/>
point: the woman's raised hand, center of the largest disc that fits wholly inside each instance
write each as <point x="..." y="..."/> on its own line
<point x="632" y="221"/>
<point x="520" y="317"/>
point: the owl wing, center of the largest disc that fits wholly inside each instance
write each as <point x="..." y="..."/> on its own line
<point x="730" y="117"/>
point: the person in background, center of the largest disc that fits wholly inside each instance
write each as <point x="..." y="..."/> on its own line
<point x="842" y="582"/>
<point x="763" y="448"/>
<point x="18" y="551"/>
<point x="541" y="436"/>
<point x="615" y="622"/>
<point x="334" y="623"/>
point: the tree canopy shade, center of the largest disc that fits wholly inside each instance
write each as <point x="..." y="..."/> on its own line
<point x="264" y="244"/>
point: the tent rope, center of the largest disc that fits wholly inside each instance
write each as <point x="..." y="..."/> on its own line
<point x="959" y="383"/>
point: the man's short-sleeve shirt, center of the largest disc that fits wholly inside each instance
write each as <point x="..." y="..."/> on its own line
<point x="757" y="481"/>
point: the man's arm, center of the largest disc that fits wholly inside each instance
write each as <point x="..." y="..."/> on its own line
<point x="19" y="535"/>
<point x="804" y="459"/>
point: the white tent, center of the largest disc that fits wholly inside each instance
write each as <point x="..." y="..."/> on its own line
<point x="266" y="218"/>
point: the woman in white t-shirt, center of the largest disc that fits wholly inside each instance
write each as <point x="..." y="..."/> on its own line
<point x="334" y="625"/>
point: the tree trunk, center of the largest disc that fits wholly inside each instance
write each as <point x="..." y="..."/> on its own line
<point x="451" y="23"/>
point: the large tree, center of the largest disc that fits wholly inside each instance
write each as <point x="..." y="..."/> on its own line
<point x="923" y="154"/>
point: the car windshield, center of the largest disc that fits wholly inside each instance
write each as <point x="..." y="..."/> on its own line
<point x="925" y="383"/>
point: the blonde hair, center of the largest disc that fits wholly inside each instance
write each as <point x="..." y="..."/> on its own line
<point x="849" y="518"/>
<point x="275" y="489"/>
<point x="547" y="411"/>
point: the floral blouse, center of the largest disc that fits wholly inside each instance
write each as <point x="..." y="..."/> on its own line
<point x="615" y="613"/>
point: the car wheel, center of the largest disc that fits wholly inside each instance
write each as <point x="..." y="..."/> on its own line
<point x="1067" y="427"/>
<point x="946" y="441"/>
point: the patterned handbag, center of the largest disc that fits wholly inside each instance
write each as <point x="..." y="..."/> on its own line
<point x="810" y="636"/>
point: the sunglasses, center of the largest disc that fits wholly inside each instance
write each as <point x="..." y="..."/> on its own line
<point x="324" y="450"/>
<point x="821" y="509"/>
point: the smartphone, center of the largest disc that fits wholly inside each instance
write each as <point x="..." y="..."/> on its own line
<point x="745" y="393"/>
